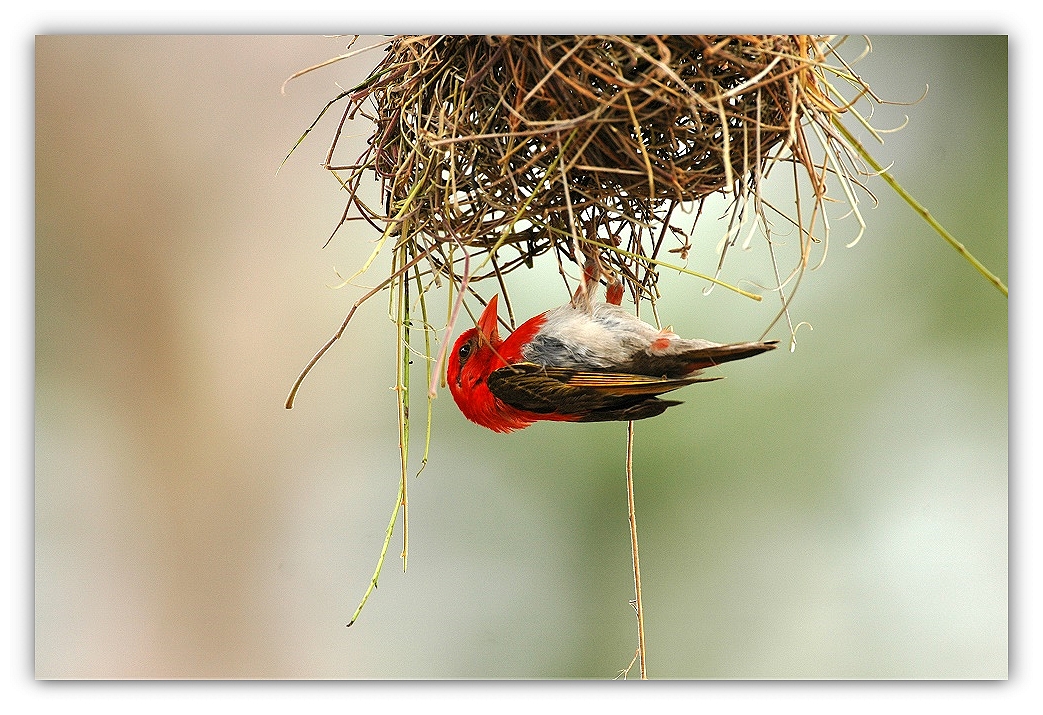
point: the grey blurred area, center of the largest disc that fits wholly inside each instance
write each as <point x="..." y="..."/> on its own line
<point x="838" y="511"/>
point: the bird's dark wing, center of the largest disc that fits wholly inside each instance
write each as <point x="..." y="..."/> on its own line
<point x="591" y="395"/>
<point x="683" y="362"/>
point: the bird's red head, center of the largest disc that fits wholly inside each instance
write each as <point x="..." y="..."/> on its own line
<point x="472" y="360"/>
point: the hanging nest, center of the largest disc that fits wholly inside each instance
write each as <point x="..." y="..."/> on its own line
<point x="582" y="145"/>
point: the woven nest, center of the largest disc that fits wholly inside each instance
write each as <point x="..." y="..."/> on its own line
<point x="581" y="144"/>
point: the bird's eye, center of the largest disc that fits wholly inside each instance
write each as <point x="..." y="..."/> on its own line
<point x="465" y="352"/>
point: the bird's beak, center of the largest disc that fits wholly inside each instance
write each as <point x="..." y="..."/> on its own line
<point x="487" y="323"/>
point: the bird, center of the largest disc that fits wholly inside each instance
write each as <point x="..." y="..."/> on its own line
<point x="580" y="362"/>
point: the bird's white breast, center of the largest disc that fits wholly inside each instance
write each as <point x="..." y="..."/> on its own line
<point x="599" y="338"/>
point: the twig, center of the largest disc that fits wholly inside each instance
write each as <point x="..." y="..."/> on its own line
<point x="633" y="545"/>
<point x="343" y="326"/>
<point x="919" y="208"/>
<point x="402" y="392"/>
<point x="383" y="552"/>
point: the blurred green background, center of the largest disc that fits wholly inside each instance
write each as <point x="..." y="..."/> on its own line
<point x="835" y="512"/>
